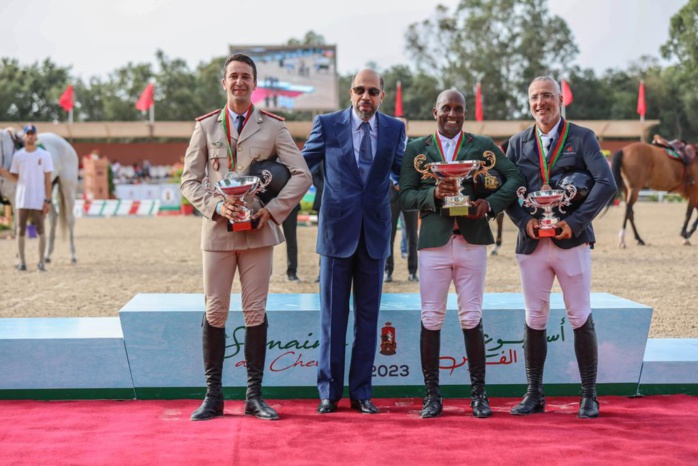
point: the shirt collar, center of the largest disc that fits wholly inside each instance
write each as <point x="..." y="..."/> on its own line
<point x="356" y="122"/>
<point x="234" y="115"/>
<point x="552" y="132"/>
<point x="444" y="139"/>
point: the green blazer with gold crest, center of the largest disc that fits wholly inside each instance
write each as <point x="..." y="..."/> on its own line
<point x="418" y="194"/>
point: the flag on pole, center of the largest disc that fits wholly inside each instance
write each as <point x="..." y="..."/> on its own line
<point x="479" y="112"/>
<point x="66" y="99"/>
<point x="146" y="100"/>
<point x="567" y="97"/>
<point x="398" y="100"/>
<point x="641" y="106"/>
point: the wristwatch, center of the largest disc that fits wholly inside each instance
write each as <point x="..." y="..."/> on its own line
<point x="47" y="201"/>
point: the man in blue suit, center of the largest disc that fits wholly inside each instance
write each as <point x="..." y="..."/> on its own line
<point x="358" y="147"/>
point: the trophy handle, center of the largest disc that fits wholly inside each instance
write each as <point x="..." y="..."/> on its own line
<point x="570" y="192"/>
<point x="525" y="201"/>
<point x="426" y="172"/>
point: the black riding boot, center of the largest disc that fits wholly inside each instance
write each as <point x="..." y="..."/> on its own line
<point x="430" y="346"/>
<point x="255" y="355"/>
<point x="535" y="351"/>
<point x="214" y="353"/>
<point x="475" y="351"/>
<point x="586" y="349"/>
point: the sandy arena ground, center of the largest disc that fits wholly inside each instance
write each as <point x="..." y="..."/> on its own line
<point x="120" y="257"/>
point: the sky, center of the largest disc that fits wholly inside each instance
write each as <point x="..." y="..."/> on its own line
<point x="95" y="37"/>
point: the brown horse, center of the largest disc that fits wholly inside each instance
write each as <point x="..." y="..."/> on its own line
<point x="640" y="165"/>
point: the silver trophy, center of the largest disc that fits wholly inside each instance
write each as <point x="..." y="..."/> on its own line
<point x="459" y="170"/>
<point x="546" y="199"/>
<point x="239" y="187"/>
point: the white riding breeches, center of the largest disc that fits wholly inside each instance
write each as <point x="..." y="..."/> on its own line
<point x="459" y="262"/>
<point x="538" y="270"/>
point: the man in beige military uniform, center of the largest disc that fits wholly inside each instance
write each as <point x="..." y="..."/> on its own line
<point x="230" y="140"/>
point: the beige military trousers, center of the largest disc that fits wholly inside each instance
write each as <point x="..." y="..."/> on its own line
<point x="254" y="267"/>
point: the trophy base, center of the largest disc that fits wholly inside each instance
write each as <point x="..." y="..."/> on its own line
<point x="547" y="232"/>
<point x="243" y="226"/>
<point x="461" y="211"/>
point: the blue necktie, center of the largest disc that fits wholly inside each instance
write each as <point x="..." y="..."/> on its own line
<point x="240" y="121"/>
<point x="365" y="157"/>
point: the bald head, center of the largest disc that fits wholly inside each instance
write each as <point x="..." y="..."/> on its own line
<point x="366" y="93"/>
<point x="450" y="94"/>
<point x="449" y="112"/>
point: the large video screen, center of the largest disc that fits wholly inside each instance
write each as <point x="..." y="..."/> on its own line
<point x="294" y="77"/>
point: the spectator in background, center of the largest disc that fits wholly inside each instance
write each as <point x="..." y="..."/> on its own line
<point x="409" y="225"/>
<point x="31" y="169"/>
<point x="289" y="226"/>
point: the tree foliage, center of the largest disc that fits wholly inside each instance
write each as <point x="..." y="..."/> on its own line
<point x="503" y="44"/>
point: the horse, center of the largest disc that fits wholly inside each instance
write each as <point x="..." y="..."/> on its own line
<point x="640" y="165"/>
<point x="64" y="180"/>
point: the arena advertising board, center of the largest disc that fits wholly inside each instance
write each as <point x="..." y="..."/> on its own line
<point x="294" y="77"/>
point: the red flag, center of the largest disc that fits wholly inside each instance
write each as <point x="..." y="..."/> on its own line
<point x="66" y="100"/>
<point x="146" y="100"/>
<point x="641" y="106"/>
<point x="479" y="113"/>
<point x="567" y="97"/>
<point x="398" y="100"/>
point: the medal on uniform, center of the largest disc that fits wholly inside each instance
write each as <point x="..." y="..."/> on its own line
<point x="547" y="198"/>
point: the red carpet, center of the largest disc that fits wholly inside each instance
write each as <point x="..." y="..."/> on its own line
<point x="638" y="431"/>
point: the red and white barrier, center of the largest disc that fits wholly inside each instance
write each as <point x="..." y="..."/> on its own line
<point x="116" y="208"/>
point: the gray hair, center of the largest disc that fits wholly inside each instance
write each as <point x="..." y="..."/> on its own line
<point x="549" y="79"/>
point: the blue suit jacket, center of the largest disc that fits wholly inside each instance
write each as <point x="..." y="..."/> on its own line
<point x="347" y="205"/>
<point x="581" y="152"/>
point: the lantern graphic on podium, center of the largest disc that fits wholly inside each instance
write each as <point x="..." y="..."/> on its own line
<point x="388" y="343"/>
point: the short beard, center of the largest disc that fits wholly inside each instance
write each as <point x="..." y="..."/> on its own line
<point x="364" y="115"/>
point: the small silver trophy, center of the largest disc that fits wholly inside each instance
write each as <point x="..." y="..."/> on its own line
<point x="459" y="170"/>
<point x="546" y="199"/>
<point x="239" y="187"/>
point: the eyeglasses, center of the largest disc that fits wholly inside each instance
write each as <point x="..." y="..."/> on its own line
<point x="372" y="91"/>
<point x="543" y="96"/>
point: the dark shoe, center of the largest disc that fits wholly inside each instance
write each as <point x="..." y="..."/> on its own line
<point x="22" y="268"/>
<point x="433" y="407"/>
<point x="588" y="408"/>
<point x="387" y="278"/>
<point x="327" y="406"/>
<point x="413" y="277"/>
<point x="531" y="404"/>
<point x="210" y="408"/>
<point x="481" y="406"/>
<point x="364" y="406"/>
<point x="41" y="267"/>
<point x="292" y="277"/>
<point x="260" y="409"/>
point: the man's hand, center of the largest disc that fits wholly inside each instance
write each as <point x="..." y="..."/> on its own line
<point x="481" y="209"/>
<point x="446" y="187"/>
<point x="262" y="216"/>
<point x="533" y="223"/>
<point x="233" y="208"/>
<point x="46" y="209"/>
<point x="566" y="232"/>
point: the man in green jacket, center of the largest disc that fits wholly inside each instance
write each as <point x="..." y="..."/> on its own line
<point x="453" y="248"/>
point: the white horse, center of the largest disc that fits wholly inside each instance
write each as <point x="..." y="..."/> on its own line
<point x="64" y="179"/>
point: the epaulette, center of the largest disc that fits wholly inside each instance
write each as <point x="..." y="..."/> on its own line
<point x="209" y="114"/>
<point x="277" y="117"/>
